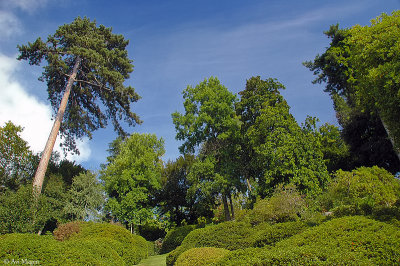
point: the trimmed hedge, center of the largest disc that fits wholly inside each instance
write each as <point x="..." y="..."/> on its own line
<point x="347" y="240"/>
<point x="201" y="256"/>
<point x="131" y="248"/>
<point x="175" y="237"/>
<point x="44" y="250"/>
<point x="236" y="235"/>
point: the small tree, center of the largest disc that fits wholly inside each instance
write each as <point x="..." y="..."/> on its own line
<point x="16" y="160"/>
<point x="85" y="197"/>
<point x="132" y="176"/>
<point x="86" y="68"/>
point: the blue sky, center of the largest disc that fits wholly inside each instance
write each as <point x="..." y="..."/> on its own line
<point x="175" y="44"/>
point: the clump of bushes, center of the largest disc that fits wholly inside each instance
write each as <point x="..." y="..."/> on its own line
<point x="236" y="235"/>
<point x="271" y="234"/>
<point x="361" y="191"/>
<point x="79" y="243"/>
<point x="346" y="240"/>
<point x="286" y="204"/>
<point x="201" y="256"/>
<point x="31" y="248"/>
<point x="131" y="248"/>
<point x="175" y="237"/>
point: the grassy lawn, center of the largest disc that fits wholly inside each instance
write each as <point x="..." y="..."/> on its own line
<point x="154" y="260"/>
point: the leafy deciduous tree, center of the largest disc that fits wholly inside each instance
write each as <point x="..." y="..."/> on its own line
<point x="208" y="126"/>
<point x="16" y="160"/>
<point x="281" y="152"/>
<point x="131" y="178"/>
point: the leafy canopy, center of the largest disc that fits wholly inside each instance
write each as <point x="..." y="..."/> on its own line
<point x="16" y="159"/>
<point x="98" y="93"/>
<point x="132" y="176"/>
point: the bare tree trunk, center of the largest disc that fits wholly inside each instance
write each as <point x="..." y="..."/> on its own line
<point x="44" y="161"/>
<point x="232" y="208"/>
<point x="390" y="138"/>
<point x="226" y="208"/>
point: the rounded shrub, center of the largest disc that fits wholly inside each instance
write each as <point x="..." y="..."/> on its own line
<point x="131" y="248"/>
<point x="45" y="250"/>
<point x="201" y="256"/>
<point x="175" y="237"/>
<point x="271" y="234"/>
<point x="286" y="204"/>
<point x="361" y="191"/>
<point x="354" y="240"/>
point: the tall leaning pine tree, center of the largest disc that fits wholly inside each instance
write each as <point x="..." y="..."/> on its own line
<point x="85" y="71"/>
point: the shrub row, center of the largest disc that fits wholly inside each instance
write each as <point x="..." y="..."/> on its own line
<point x="44" y="250"/>
<point x="175" y="237"/>
<point x="236" y="235"/>
<point x="353" y="240"/>
<point x="80" y="243"/>
<point x="201" y="256"/>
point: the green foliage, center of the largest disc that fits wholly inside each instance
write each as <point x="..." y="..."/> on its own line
<point x="286" y="204"/>
<point x="271" y="234"/>
<point x="85" y="197"/>
<point x="34" y="249"/>
<point x="131" y="248"/>
<point x="209" y="114"/>
<point x="356" y="68"/>
<point x="16" y="160"/>
<point x="16" y="211"/>
<point x="374" y="56"/>
<point x="334" y="149"/>
<point x="235" y="236"/>
<point x="173" y="197"/>
<point x="174" y="238"/>
<point x="276" y="149"/>
<point x="210" y="123"/>
<point x="361" y="190"/>
<point x="201" y="256"/>
<point x="21" y="213"/>
<point x="132" y="176"/>
<point x="103" y="68"/>
<point x="347" y="240"/>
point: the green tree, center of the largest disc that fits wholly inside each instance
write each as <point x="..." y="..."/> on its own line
<point x="173" y="197"/>
<point x="363" y="129"/>
<point x="91" y="63"/>
<point x="281" y="152"/>
<point x="209" y="127"/>
<point x="335" y="151"/>
<point x="16" y="159"/>
<point x="132" y="177"/>
<point x="374" y="57"/>
<point x="85" y="198"/>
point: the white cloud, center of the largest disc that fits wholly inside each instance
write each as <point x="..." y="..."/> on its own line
<point x="9" y="24"/>
<point x="27" y="5"/>
<point x="29" y="112"/>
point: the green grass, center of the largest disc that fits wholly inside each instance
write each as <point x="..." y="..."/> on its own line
<point x="154" y="260"/>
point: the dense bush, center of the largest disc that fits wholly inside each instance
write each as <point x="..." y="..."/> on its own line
<point x="131" y="248"/>
<point x="201" y="256"/>
<point x="236" y="235"/>
<point x="286" y="204"/>
<point x="361" y="191"/>
<point x="175" y="237"/>
<point x="44" y="250"/>
<point x="270" y="234"/>
<point x="347" y="240"/>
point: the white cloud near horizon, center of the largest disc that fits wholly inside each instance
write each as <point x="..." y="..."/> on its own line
<point x="25" y="110"/>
